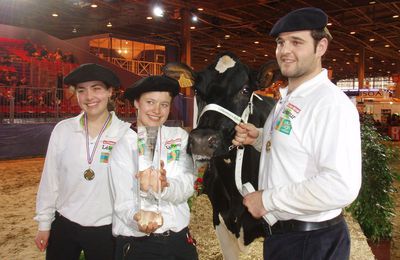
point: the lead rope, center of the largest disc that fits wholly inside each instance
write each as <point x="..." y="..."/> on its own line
<point x="235" y="118"/>
<point x="240" y="149"/>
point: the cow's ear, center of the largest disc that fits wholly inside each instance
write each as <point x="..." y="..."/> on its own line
<point x="181" y="72"/>
<point x="268" y="74"/>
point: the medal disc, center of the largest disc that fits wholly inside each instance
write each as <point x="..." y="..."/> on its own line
<point x="268" y="146"/>
<point x="89" y="174"/>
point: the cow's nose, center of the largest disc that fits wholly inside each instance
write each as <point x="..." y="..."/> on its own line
<point x="203" y="142"/>
<point x="212" y="141"/>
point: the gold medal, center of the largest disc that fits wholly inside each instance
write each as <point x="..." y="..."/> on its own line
<point x="89" y="174"/>
<point x="268" y="146"/>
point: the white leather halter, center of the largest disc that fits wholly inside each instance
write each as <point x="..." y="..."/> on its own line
<point x="237" y="119"/>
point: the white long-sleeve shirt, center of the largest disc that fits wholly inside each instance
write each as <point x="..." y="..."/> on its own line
<point x="63" y="187"/>
<point x="313" y="168"/>
<point x="180" y="175"/>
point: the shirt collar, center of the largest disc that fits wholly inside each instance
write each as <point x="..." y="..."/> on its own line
<point x="80" y="123"/>
<point x="306" y="87"/>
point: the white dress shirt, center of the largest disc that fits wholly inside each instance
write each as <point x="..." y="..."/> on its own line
<point x="313" y="167"/>
<point x="180" y="175"/>
<point x="63" y="187"/>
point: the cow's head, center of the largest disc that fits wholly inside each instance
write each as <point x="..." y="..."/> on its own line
<point x="228" y="83"/>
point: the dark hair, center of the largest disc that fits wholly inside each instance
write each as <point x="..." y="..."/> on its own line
<point x="318" y="35"/>
<point x="111" y="104"/>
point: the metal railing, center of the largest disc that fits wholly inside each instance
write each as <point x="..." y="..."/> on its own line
<point x="26" y="104"/>
<point x="139" y="67"/>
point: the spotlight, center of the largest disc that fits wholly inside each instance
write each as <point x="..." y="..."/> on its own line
<point x="195" y="19"/>
<point x="158" y="11"/>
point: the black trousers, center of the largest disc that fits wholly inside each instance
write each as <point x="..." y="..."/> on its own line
<point x="68" y="239"/>
<point x="331" y="243"/>
<point x="175" y="246"/>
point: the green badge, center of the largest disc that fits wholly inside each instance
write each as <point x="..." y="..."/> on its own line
<point x="284" y="126"/>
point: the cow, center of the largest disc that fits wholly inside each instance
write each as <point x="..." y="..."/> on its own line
<point x="225" y="96"/>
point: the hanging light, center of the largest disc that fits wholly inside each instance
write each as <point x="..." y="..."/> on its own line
<point x="158" y="11"/>
<point x="109" y="24"/>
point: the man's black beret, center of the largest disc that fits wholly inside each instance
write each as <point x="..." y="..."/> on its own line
<point x="308" y="18"/>
<point x="152" y="83"/>
<point x="92" y="72"/>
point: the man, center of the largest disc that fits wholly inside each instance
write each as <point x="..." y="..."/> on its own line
<point x="310" y="149"/>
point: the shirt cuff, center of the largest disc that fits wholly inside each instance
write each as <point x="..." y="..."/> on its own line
<point x="270" y="218"/>
<point x="44" y="226"/>
<point x="258" y="142"/>
<point x="267" y="203"/>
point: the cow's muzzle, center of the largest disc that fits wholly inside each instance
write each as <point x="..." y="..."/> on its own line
<point x="203" y="142"/>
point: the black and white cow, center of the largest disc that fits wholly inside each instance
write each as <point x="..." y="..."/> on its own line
<point x="225" y="90"/>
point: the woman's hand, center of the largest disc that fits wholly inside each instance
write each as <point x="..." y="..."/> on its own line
<point x="42" y="240"/>
<point x="148" y="221"/>
<point x="152" y="179"/>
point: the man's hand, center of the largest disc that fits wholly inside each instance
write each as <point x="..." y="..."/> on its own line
<point x="148" y="221"/>
<point x="245" y="134"/>
<point x="42" y="240"/>
<point x="253" y="203"/>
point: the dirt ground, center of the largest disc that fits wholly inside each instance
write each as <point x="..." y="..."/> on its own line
<point x="18" y="186"/>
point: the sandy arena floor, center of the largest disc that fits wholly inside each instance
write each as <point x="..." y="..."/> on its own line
<point x="18" y="186"/>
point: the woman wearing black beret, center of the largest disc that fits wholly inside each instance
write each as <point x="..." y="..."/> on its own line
<point x="144" y="228"/>
<point x="74" y="206"/>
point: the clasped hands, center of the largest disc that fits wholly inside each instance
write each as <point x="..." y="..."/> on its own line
<point x="153" y="180"/>
<point x="148" y="221"/>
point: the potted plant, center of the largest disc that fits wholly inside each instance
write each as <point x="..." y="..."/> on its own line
<point x="374" y="206"/>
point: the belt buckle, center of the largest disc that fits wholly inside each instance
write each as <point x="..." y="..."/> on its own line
<point x="167" y="233"/>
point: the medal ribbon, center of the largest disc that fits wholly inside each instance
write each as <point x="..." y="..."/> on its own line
<point x="89" y="155"/>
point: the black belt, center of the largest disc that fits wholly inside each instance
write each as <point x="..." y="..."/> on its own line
<point x="168" y="233"/>
<point x="288" y="226"/>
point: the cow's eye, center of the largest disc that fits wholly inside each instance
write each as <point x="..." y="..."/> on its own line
<point x="245" y="90"/>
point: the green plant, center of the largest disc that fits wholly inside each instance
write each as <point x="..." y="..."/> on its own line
<point x="374" y="206"/>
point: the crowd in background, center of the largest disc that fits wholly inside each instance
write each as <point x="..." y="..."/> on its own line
<point x="42" y="53"/>
<point x="391" y="120"/>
